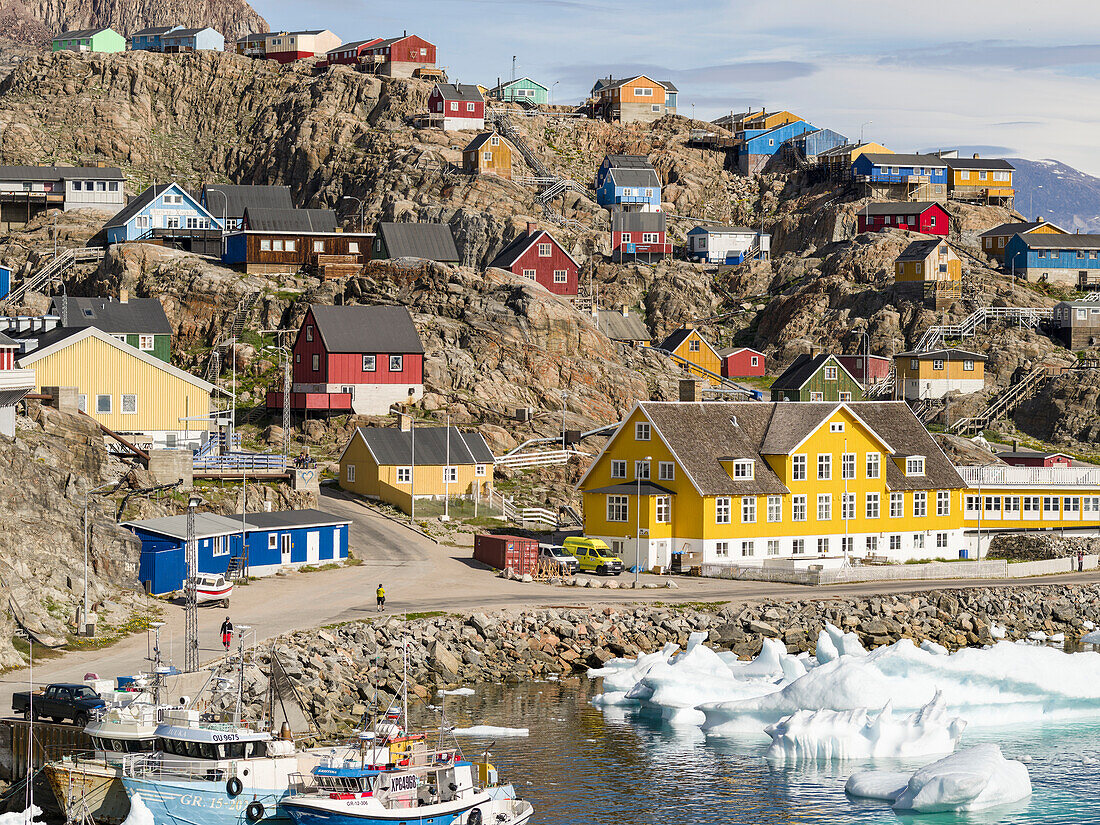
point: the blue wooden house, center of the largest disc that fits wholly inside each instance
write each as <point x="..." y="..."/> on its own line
<point x="628" y="182"/>
<point x="272" y="542"/>
<point x="5" y="281"/>
<point x="163" y="206"/>
<point x="1069" y="260"/>
<point x="902" y="177"/>
<point x="193" y="40"/>
<point x="150" y="39"/>
<point x="757" y="147"/>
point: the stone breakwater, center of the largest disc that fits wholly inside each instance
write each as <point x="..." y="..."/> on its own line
<point x="338" y="672"/>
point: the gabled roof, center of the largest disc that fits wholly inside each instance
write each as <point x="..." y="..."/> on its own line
<point x="614" y="83"/>
<point x="506" y="83"/>
<point x="919" y="250"/>
<point x="238" y="197"/>
<point x="366" y="329"/>
<point x="1021" y="228"/>
<point x="153" y="31"/>
<point x="618" y="327"/>
<point x="802" y="369"/>
<point x="254" y="37"/>
<point x="139" y="203"/>
<point x="524" y="241"/>
<point x="355" y="44"/>
<point x="944" y="355"/>
<point x="79" y="34"/>
<point x="669" y="86"/>
<point x="722" y="230"/>
<point x="482" y="139"/>
<point x="1062" y="241"/>
<point x="879" y="159"/>
<point x="461" y="91"/>
<point x="638" y="221"/>
<point x="136" y="315"/>
<point x="79" y="335"/>
<point x="391" y="40"/>
<point x="627" y="162"/>
<point x="978" y="163"/>
<point x="431" y="241"/>
<point x="679" y="336"/>
<point x="189" y="32"/>
<point x="290" y="220"/>
<point x="7" y="343"/>
<point x="635" y="177"/>
<point x="391" y="446"/>
<point x="726" y="352"/>
<point x="898" y="208"/>
<point x="49" y="174"/>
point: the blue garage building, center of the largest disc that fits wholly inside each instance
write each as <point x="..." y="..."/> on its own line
<point x="272" y="542"/>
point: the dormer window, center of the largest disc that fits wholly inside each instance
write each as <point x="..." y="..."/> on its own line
<point x="744" y="469"/>
<point x="836" y="427"/>
<point x="914" y="465"/>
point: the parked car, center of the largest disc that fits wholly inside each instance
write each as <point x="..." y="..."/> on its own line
<point x="556" y="554"/>
<point x="593" y="555"/>
<point x="77" y="703"/>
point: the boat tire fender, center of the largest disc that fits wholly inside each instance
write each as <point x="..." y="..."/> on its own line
<point x="233" y="787"/>
<point x="474" y="818"/>
<point x="254" y="811"/>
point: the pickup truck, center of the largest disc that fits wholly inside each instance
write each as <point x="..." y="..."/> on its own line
<point x="75" y="702"/>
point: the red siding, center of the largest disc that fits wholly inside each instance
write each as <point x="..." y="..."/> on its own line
<point x="739" y="364"/>
<point x="544" y="267"/>
<point x="877" y="368"/>
<point x="347" y="368"/>
<point x="875" y="223"/>
<point x="639" y="247"/>
<point x="304" y="350"/>
<point x="407" y="50"/>
<point x="289" y="57"/>
<point x="7" y="359"/>
<point x="437" y="104"/>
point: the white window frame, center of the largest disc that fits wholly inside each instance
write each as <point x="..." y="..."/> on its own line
<point x="920" y="504"/>
<point x="99" y="405"/>
<point x="641" y="470"/>
<point x="370" y="363"/>
<point x="874" y="465"/>
<point x="897" y="505"/>
<point x="872" y="505"/>
<point x="744" y="469"/>
<point x="618" y="468"/>
<point x="847" y="465"/>
<point x="618" y="508"/>
<point x="545" y="250"/>
<point x="397" y="363"/>
<point x="722" y="510"/>
<point x="479" y="470"/>
<point x="349" y="473"/>
<point x="748" y="509"/>
<point x="830" y="373"/>
<point x="775" y="509"/>
<point x="146" y="343"/>
<point x="824" y="466"/>
<point x="404" y="475"/>
<point x="722" y="549"/>
<point x="799" y="470"/>
<point x="914" y="466"/>
<point x="561" y="276"/>
<point x="943" y="503"/>
<point x="798" y="547"/>
<point x="641" y="431"/>
<point x="663" y="509"/>
<point x="666" y="471"/>
<point x="847" y="506"/>
<point x="824" y="507"/>
<point x="450" y="474"/>
<point x="798" y="508"/>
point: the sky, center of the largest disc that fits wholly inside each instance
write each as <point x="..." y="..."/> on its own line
<point x="998" y="77"/>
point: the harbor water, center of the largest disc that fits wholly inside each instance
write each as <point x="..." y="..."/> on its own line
<point x="582" y="765"/>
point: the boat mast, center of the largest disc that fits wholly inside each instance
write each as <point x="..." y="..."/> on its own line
<point x="405" y="681"/>
<point x="241" y="629"/>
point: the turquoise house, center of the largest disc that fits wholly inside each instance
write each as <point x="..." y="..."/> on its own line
<point x="163" y="206"/>
<point x="90" y="40"/>
<point x="521" y="90"/>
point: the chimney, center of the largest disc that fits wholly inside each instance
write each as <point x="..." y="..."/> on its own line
<point x="405" y="33"/>
<point x="404" y="422"/>
<point x="815" y="351"/>
<point x="690" y="390"/>
<point x="625" y="310"/>
<point x="1015" y="446"/>
<point x="49" y="322"/>
<point x="1039" y="219"/>
<point x="976" y="156"/>
<point x="532" y="228"/>
<point x="124" y="296"/>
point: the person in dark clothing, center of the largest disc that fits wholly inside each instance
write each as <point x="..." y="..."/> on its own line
<point x="227" y="632"/>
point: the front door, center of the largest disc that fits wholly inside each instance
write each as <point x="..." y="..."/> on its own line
<point x="287" y="544"/>
<point x="313" y="547"/>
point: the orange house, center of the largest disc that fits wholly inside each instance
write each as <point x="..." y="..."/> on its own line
<point x="634" y="99"/>
<point x="488" y="154"/>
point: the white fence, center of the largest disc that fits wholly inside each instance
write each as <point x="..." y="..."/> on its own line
<point x="996" y="475"/>
<point x="537" y="459"/>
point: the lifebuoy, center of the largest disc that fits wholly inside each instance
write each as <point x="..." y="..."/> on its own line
<point x="254" y="811"/>
<point x="474" y="818"/>
<point x="233" y="786"/>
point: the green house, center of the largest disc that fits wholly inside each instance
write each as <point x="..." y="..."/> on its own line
<point x="521" y="90"/>
<point x="816" y="378"/>
<point x="139" y="322"/>
<point x="90" y="40"/>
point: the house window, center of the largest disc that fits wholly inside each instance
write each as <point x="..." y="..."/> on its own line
<point x="353" y="247"/>
<point x="722" y="549"/>
<point x="798" y="468"/>
<point x="404" y="475"/>
<point x="822" y="546"/>
<point x="798" y="508"/>
<point x="272" y="541"/>
<point x="830" y="373"/>
<point x="221" y="547"/>
<point x="918" y="541"/>
<point x="836" y="427"/>
<point x="450" y="475"/>
<point x="103" y="404"/>
<point x="82" y="403"/>
<point x="641" y="431"/>
<point x="666" y="471"/>
<point x="309" y="332"/>
<point x="941" y="540"/>
<point x="171" y="223"/>
<point x="848" y="465"/>
<point x="871" y="543"/>
<point x="618" y="469"/>
<point x="824" y="507"/>
<point x="872" y="508"/>
<point x="968" y="366"/>
<point x="824" y="466"/>
<point x="370" y="363"/>
<point x="265" y="245"/>
<point x="617" y="509"/>
<point x="895" y="543"/>
<point x="397" y="363"/>
<point x="798" y="546"/>
<point x="937" y="364"/>
<point x="1031" y="504"/>
<point x="277" y="246"/>
<point x="479" y="470"/>
<point x="316" y="362"/>
<point x="755" y="361"/>
<point x="146" y="342"/>
<point x="914" y="465"/>
<point x="664" y="509"/>
<point x="1012" y="505"/>
<point x="773" y="547"/>
<point x="1050" y="503"/>
<point x="817" y="396"/>
<point x="897" y="505"/>
<point x="848" y="506"/>
<point x="920" y="504"/>
<point x="454" y="107"/>
<point x="113" y="186"/>
<point x="919" y="267"/>
<point x="722" y="510"/>
<point x="487" y="157"/>
<point x="469" y="107"/>
<point x="775" y="508"/>
<point x="544" y="250"/>
<point x="874" y="466"/>
<point x="626" y="237"/>
<point x="297" y="358"/>
<point x="129" y="404"/>
<point x="914" y="364"/>
<point x="493" y="141"/>
<point x="943" y="503"/>
<point x="529" y="273"/>
<point x="561" y="276"/>
<point x="748" y="548"/>
<point x="318" y="246"/>
<point x="748" y="509"/>
<point x="651" y="237"/>
<point x="641" y="470"/>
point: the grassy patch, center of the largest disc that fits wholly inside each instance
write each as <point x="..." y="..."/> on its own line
<point x="107" y="634"/>
<point x="701" y="607"/>
<point x="23" y="648"/>
<point x="352" y="561"/>
<point x="427" y="614"/>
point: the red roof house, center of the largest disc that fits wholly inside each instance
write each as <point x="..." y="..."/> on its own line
<point x="537" y="255"/>
<point x="349" y="54"/>
<point x="360" y="359"/>
<point x="742" y="362"/>
<point x="399" y="56"/>
<point x="927" y="217"/>
<point x="1029" y="458"/>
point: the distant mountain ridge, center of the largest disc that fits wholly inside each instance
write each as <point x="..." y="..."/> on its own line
<point x="1057" y="192"/>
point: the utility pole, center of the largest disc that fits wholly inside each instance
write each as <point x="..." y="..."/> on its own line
<point x="191" y="608"/>
<point x="447" y="474"/>
<point x="412" y="467"/>
<point x="513" y="68"/>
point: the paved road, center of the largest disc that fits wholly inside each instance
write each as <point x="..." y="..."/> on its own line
<point x="419" y="576"/>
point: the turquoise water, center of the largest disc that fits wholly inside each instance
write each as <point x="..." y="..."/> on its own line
<point x="582" y="765"/>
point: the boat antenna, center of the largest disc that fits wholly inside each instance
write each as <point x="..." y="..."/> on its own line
<point x="405" y="680"/>
<point x="158" y="674"/>
<point x="241" y="630"/>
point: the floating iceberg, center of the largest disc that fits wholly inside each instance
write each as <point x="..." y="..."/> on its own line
<point x="489" y="730"/>
<point x="27" y="817"/>
<point x="462" y="691"/>
<point x="139" y="812"/>
<point x="859" y="734"/>
<point x="970" y="780"/>
<point x="1091" y="638"/>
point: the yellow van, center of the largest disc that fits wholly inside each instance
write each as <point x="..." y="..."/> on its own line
<point x="593" y="555"/>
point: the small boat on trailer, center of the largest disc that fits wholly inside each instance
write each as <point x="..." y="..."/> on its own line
<point x="212" y="588"/>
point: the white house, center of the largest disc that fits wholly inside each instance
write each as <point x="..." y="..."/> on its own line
<point x="728" y="244"/>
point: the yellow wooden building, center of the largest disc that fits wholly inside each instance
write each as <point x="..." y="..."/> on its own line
<point x="378" y="464"/>
<point x="488" y="154"/>
<point x="694" y="354"/>
<point x="996" y="239"/>
<point x="933" y="374"/>
<point x="930" y="270"/>
<point x="768" y="120"/>
<point x="982" y="180"/>
<point x="752" y="482"/>
<point x="125" y="389"/>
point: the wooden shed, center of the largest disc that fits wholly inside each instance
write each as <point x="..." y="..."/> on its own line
<point x="488" y="154"/>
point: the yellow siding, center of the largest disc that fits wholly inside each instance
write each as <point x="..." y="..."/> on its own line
<point x="94" y="367"/>
<point x="969" y="177"/>
<point x="1066" y="514"/>
<point x="704" y="357"/>
<point x="1047" y="229"/>
<point x="928" y="270"/>
<point x="952" y="370"/>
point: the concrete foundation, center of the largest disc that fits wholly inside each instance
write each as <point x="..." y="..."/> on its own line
<point x="65" y="399"/>
<point x="168" y="466"/>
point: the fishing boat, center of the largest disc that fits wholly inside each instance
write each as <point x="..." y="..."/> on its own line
<point x="212" y="588"/>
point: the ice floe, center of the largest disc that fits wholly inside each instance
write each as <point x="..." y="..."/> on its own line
<point x="489" y="730"/>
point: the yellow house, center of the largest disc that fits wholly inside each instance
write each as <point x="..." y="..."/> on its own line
<point x="930" y="269"/>
<point x="378" y="463"/>
<point x="769" y="120"/>
<point x="996" y="239"/>
<point x="753" y="482"/>
<point x="987" y="180"/>
<point x="125" y="389"/>
<point x="920" y="375"/>
<point x="687" y="344"/>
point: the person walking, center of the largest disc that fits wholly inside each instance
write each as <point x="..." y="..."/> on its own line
<point x="381" y="593"/>
<point x="227" y="632"/>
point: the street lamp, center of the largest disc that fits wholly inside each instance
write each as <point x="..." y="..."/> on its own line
<point x="638" y="542"/>
<point x="84" y="612"/>
<point x="865" y="123"/>
<point x="555" y="83"/>
<point x="358" y="201"/>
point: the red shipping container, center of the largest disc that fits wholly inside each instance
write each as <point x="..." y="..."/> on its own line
<point x="520" y="554"/>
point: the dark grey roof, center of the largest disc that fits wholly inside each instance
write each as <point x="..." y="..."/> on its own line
<point x="290" y="220"/>
<point x="722" y="230"/>
<point x="944" y="355"/>
<point x="152" y="31"/>
<point x="240" y="197"/>
<point x="481" y="140"/>
<point x="188" y="32"/>
<point x="978" y="163"/>
<point x="800" y="370"/>
<point x="253" y="37"/>
<point x="648" y="488"/>
<point x="59" y="173"/>
<point x="1011" y="229"/>
<point x="897" y="208"/>
<point x="669" y="85"/>
<point x="507" y="256"/>
<point x="9" y="398"/>
<point x="460" y="91"/>
<point x="919" y="250"/>
<point x="627" y="162"/>
<point x="369" y="329"/>
<point x="635" y="177"/>
<point x="136" y="205"/>
<point x="1062" y="241"/>
<point x="391" y="446"/>
<point x="638" y="221"/>
<point x="905" y="160"/>
<point x="80" y="33"/>
<point x="432" y="241"/>
<point x="137" y="315"/>
<point x="388" y="42"/>
<point x="615" y="326"/>
<point x="677" y="338"/>
<point x="293" y="518"/>
<point x="355" y="44"/>
<point x="5" y="341"/>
